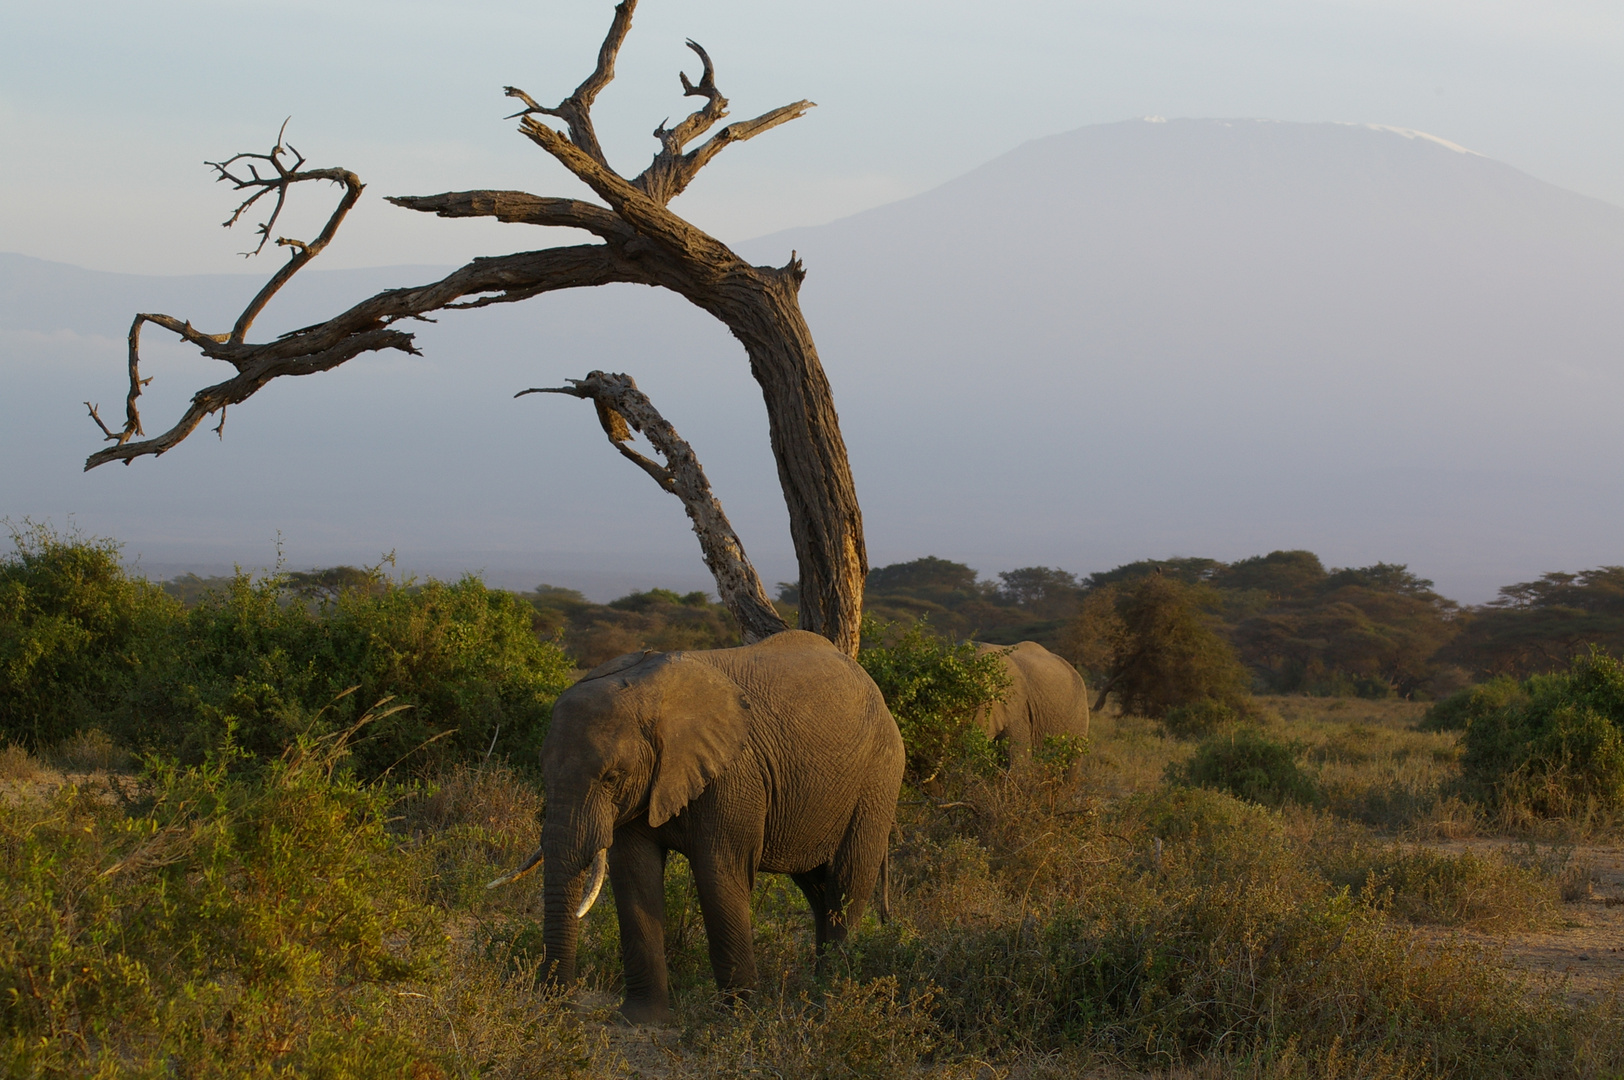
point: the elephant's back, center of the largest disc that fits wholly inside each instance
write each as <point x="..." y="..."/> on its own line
<point x="1055" y="689"/>
<point x="821" y="735"/>
<point x="804" y="674"/>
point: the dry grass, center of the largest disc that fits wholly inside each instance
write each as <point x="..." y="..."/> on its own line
<point x="1113" y="927"/>
<point x="91" y="750"/>
<point x="18" y="765"/>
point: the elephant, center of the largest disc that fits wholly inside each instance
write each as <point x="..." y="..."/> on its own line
<point x="779" y="756"/>
<point x="1046" y="697"/>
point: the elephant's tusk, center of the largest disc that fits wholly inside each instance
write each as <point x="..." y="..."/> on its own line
<point x="600" y="870"/>
<point x="530" y="864"/>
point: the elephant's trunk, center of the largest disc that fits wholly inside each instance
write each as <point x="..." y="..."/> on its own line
<point x="562" y="927"/>
<point x="573" y="874"/>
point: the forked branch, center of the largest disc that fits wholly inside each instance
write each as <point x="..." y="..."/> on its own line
<point x="622" y="409"/>
<point x="673" y="168"/>
<point x="281" y="183"/>
<point x="229" y="346"/>
<point x="576" y="110"/>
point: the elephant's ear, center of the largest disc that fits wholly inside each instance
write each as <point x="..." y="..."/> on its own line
<point x="702" y="723"/>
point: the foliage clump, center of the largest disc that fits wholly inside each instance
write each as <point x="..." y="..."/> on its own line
<point x="1250" y="765"/>
<point x="85" y="646"/>
<point x="934" y="689"/>
<point x="79" y="637"/>
<point x="660" y="619"/>
<point x="1457" y="711"/>
<point x="1202" y="717"/>
<point x="1153" y="644"/>
<point x="1554" y="749"/>
<point x="229" y="919"/>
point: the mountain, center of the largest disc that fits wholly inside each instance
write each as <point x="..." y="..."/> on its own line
<point x="1137" y="339"/>
<point x="1200" y="336"/>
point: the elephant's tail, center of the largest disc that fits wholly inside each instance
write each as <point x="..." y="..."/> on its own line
<point x="885" y="886"/>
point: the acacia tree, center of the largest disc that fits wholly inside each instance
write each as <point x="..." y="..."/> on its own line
<point x="639" y="240"/>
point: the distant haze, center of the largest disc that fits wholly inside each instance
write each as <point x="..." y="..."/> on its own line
<point x="1132" y="340"/>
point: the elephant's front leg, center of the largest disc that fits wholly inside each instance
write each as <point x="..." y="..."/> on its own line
<point x="724" y="898"/>
<point x="637" y="874"/>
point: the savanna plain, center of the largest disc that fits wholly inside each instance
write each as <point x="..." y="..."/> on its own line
<point x="246" y="827"/>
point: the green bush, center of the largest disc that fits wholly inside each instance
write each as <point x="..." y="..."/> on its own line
<point x="83" y="646"/>
<point x="1201" y="718"/>
<point x="225" y="910"/>
<point x="1155" y="644"/>
<point x="934" y="689"/>
<point x="253" y="923"/>
<point x="460" y="655"/>
<point x="1457" y="711"/>
<point x="1249" y="765"/>
<point x="77" y="637"/>
<point x="1554" y="749"/>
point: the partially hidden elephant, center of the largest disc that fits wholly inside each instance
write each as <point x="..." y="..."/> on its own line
<point x="1046" y="697"/>
<point x="778" y="756"/>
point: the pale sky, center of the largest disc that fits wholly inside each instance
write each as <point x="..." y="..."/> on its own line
<point x="107" y="110"/>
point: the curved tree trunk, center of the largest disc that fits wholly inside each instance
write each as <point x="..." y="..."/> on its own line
<point x="826" y="522"/>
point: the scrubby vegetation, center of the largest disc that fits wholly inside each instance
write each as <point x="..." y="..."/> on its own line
<point x="934" y="689"/>
<point x="1553" y="748"/>
<point x="1249" y="765"/>
<point x="221" y="921"/>
<point x="211" y="868"/>
<point x="288" y="918"/>
<point x="84" y="647"/>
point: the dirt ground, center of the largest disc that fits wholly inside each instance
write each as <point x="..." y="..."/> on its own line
<point x="1586" y="954"/>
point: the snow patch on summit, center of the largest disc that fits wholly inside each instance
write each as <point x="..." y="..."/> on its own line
<point x="1410" y="133"/>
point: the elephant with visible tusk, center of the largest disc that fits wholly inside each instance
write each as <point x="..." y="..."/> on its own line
<point x="778" y="756"/>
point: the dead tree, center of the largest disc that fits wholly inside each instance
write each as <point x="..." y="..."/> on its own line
<point x="622" y="409"/>
<point x="639" y="240"/>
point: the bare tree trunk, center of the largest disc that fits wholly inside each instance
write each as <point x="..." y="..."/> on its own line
<point x="641" y="241"/>
<point x="622" y="409"/>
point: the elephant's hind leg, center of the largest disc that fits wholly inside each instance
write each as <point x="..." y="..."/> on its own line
<point x="814" y="885"/>
<point x="856" y="865"/>
<point x="637" y="875"/>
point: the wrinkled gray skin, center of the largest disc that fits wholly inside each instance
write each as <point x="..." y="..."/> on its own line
<point x="1046" y="697"/>
<point x="778" y="756"/>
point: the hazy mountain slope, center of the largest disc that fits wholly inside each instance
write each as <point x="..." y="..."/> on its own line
<point x="1198" y="337"/>
<point x="1202" y="336"/>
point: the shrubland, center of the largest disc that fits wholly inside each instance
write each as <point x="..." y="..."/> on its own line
<point x="216" y="862"/>
<point x="85" y="647"/>
<point x="1550" y="747"/>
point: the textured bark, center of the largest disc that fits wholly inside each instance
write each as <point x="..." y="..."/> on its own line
<point x="640" y="241"/>
<point x="622" y="409"/>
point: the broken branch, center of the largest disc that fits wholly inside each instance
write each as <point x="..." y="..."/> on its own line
<point x="622" y="409"/>
<point x="576" y="110"/>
